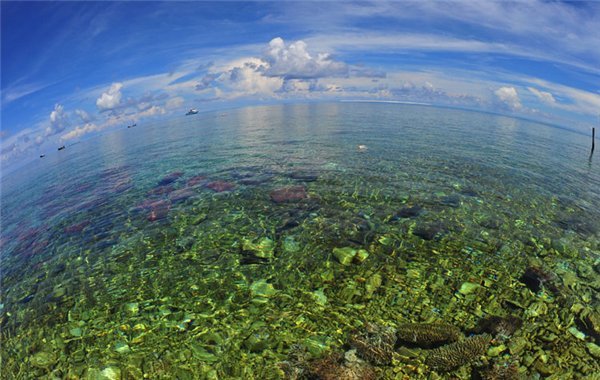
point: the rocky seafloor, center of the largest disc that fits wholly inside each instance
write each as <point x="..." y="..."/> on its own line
<point x="268" y="273"/>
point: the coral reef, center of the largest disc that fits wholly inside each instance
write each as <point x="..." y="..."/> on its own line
<point x="342" y="367"/>
<point x="506" y="371"/>
<point x="220" y="186"/>
<point x="454" y="355"/>
<point x="296" y="366"/>
<point x="375" y="343"/>
<point x="428" y="334"/>
<point x="288" y="194"/>
<point x="536" y="278"/>
<point x="499" y="327"/>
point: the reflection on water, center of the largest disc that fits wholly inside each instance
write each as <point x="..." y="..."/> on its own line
<point x="262" y="243"/>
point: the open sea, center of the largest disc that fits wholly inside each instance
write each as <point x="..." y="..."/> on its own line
<point x="310" y="241"/>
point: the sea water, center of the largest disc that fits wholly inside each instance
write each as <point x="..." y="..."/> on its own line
<point x="271" y="242"/>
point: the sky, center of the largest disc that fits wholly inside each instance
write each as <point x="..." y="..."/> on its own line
<point x="72" y="70"/>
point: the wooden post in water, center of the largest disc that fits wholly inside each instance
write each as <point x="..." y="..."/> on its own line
<point x="593" y="140"/>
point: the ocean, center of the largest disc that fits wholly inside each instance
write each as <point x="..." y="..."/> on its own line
<point x="328" y="240"/>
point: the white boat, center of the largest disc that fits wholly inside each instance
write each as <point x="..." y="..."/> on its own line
<point x="192" y="111"/>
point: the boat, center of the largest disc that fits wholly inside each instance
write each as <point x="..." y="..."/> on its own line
<point x="192" y="111"/>
<point x="132" y="125"/>
<point x="61" y="148"/>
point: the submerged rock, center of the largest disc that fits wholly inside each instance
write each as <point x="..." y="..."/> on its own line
<point x="77" y="227"/>
<point x="428" y="231"/>
<point x="490" y="222"/>
<point x="122" y="186"/>
<point x="170" y="178"/>
<point x="469" y="192"/>
<point x="408" y="212"/>
<point x="304" y="176"/>
<point x="261" y="289"/>
<point x="161" y="190"/>
<point x="264" y="248"/>
<point x="450" y="200"/>
<point x="347" y="255"/>
<point x="43" y="359"/>
<point x="159" y="210"/>
<point x="181" y="194"/>
<point x="590" y="323"/>
<point x="252" y="181"/>
<point x="579" y="224"/>
<point x="196" y="180"/>
<point x="220" y="186"/>
<point x="288" y="194"/>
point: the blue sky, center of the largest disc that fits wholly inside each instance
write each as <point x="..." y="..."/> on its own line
<point x="74" y="69"/>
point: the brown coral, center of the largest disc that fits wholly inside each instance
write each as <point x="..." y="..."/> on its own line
<point x="296" y="366"/>
<point x="452" y="356"/>
<point x="375" y="343"/>
<point x="507" y="371"/>
<point x="342" y="367"/>
<point x="536" y="278"/>
<point x="500" y="327"/>
<point x="428" y="334"/>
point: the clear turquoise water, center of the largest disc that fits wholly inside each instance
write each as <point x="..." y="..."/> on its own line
<point x="97" y="256"/>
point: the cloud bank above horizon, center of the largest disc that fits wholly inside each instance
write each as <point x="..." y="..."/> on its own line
<point x="92" y="67"/>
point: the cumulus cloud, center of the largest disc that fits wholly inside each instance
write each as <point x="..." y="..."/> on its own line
<point x="84" y="116"/>
<point x="110" y="99"/>
<point x="283" y="68"/>
<point x="80" y="131"/>
<point x="294" y="61"/>
<point x="59" y="120"/>
<point x="509" y="97"/>
<point x="248" y="79"/>
<point x="206" y="81"/>
<point x="544" y="96"/>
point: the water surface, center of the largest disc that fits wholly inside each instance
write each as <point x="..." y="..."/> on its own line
<point x="261" y="242"/>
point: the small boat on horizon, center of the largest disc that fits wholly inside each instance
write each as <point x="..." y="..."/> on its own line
<point x="61" y="147"/>
<point x="132" y="125"/>
<point x="192" y="111"/>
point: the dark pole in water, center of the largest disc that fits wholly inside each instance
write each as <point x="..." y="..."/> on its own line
<point x="593" y="140"/>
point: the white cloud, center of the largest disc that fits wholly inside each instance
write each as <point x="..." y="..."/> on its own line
<point x="509" y="97"/>
<point x="110" y="99"/>
<point x="152" y="111"/>
<point x="544" y="96"/>
<point x="580" y="101"/>
<point x="294" y="61"/>
<point x="175" y="102"/>
<point x="58" y="120"/>
<point x="545" y="31"/>
<point x="58" y="114"/>
<point x="14" y="92"/>
<point x="248" y="78"/>
<point x="284" y="69"/>
<point x="80" y="131"/>
<point x="84" y="116"/>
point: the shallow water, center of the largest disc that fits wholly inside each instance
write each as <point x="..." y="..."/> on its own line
<point x="170" y="250"/>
